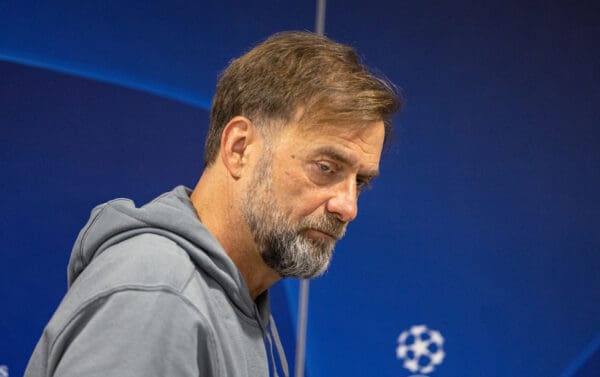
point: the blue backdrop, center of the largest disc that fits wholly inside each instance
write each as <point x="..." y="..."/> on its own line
<point x="483" y="225"/>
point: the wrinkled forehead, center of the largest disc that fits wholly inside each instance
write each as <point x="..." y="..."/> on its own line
<point x="372" y="134"/>
<point x="361" y="140"/>
<point x="339" y="127"/>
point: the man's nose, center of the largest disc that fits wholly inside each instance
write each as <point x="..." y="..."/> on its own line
<point x="344" y="201"/>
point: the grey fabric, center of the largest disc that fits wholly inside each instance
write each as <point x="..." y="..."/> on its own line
<point x="152" y="293"/>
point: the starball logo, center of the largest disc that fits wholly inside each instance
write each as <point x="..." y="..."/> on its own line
<point x="421" y="349"/>
<point x="3" y="371"/>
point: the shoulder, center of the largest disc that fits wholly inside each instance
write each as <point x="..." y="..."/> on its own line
<point x="143" y="264"/>
<point x="130" y="297"/>
<point x="145" y="260"/>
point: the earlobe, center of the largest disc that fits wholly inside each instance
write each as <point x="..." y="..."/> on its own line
<point x="238" y="135"/>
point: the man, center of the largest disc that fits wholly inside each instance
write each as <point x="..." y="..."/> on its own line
<point x="178" y="287"/>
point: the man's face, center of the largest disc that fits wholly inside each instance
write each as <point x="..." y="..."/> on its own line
<point x="304" y="192"/>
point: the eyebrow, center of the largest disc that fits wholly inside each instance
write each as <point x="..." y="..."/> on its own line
<point x="343" y="158"/>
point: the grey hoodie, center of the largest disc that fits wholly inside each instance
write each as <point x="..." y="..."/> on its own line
<point x="152" y="293"/>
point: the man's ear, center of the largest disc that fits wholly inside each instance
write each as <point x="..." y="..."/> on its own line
<point x="238" y="141"/>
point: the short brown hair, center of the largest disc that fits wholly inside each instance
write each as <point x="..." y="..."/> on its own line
<point x="293" y="72"/>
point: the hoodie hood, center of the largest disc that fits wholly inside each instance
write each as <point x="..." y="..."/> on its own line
<point x="171" y="215"/>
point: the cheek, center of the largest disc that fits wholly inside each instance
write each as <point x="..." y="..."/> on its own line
<point x="291" y="185"/>
<point x="298" y="194"/>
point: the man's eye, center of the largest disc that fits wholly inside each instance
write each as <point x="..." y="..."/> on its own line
<point x="324" y="167"/>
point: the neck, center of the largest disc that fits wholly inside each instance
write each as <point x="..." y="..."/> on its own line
<point x="217" y="201"/>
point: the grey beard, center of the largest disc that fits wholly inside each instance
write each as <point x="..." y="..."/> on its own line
<point x="292" y="254"/>
<point x="283" y="247"/>
<point x="286" y="250"/>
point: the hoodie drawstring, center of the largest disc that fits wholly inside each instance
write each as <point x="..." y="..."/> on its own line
<point x="273" y="337"/>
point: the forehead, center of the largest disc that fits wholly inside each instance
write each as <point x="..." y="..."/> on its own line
<point x="362" y="144"/>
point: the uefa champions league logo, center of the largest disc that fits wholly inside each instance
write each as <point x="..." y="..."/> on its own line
<point x="3" y="371"/>
<point x="421" y="349"/>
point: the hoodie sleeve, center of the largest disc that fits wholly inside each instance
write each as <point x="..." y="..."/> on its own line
<point x="132" y="332"/>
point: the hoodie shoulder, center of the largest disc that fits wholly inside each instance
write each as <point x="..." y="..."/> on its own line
<point x="128" y="296"/>
<point x="137" y="237"/>
<point x="143" y="262"/>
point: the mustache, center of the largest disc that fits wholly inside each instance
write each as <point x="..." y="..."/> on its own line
<point x="328" y="224"/>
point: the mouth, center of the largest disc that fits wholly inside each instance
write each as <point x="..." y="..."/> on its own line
<point x="321" y="234"/>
